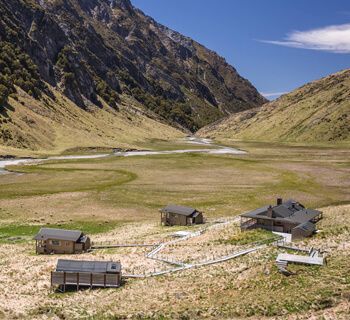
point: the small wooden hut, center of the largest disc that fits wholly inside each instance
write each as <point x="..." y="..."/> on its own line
<point x="61" y="241"/>
<point x="78" y="273"/>
<point x="173" y="215"/>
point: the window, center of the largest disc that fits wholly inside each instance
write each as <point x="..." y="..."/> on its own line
<point x="55" y="242"/>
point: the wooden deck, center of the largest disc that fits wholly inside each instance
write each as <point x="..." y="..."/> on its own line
<point x="293" y="258"/>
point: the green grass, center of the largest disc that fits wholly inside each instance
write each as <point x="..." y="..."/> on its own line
<point x="252" y="236"/>
<point x="217" y="184"/>
<point x="51" y="180"/>
<point x="23" y="231"/>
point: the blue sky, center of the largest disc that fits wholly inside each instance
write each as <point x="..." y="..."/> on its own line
<point x="236" y="30"/>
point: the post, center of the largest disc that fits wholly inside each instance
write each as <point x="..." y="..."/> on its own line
<point x="90" y="280"/>
<point x="78" y="280"/>
<point x="104" y="280"/>
<point x="64" y="281"/>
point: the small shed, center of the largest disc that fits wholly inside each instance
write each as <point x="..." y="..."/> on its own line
<point x="174" y="215"/>
<point x="79" y="273"/>
<point x="61" y="241"/>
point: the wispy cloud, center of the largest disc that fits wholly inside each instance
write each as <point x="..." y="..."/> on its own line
<point x="331" y="38"/>
<point x="272" y="94"/>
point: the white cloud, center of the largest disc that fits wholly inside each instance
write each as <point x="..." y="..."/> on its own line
<point x="332" y="38"/>
<point x="272" y="94"/>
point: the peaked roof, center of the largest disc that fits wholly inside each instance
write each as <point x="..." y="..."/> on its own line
<point x="186" y="211"/>
<point x="88" y="266"/>
<point x="59" y="234"/>
<point x="290" y="211"/>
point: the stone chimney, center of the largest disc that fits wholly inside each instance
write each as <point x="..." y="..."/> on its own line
<point x="269" y="212"/>
<point x="279" y="201"/>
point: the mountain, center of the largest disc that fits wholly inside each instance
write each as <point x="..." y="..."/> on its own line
<point x="53" y="125"/>
<point x="318" y="111"/>
<point x="97" y="52"/>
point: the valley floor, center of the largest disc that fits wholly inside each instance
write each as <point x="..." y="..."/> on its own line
<point x="117" y="199"/>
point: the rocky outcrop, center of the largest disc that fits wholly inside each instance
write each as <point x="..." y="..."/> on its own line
<point x="104" y="48"/>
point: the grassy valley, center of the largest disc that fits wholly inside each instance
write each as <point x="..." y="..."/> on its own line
<point x="117" y="199"/>
<point x="101" y="79"/>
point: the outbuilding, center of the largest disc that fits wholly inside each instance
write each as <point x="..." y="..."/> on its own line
<point x="79" y="273"/>
<point x="174" y="215"/>
<point x="61" y="241"/>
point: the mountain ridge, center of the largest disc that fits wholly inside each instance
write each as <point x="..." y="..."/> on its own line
<point x="317" y="111"/>
<point x="91" y="49"/>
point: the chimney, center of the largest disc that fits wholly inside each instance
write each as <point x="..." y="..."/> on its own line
<point x="269" y="212"/>
<point x="279" y="201"/>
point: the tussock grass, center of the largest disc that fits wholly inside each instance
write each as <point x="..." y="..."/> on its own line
<point x="117" y="200"/>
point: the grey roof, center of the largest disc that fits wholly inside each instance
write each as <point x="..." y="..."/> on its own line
<point x="255" y="212"/>
<point x="289" y="211"/>
<point x="307" y="226"/>
<point x="282" y="211"/>
<point x="186" y="211"/>
<point x="304" y="215"/>
<point x="58" y="234"/>
<point x="88" y="266"/>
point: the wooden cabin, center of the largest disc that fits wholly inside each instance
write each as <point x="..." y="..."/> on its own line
<point x="286" y="217"/>
<point x="173" y="215"/>
<point x="79" y="273"/>
<point x="61" y="241"/>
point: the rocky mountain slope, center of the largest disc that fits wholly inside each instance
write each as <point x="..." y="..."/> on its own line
<point x="99" y="51"/>
<point x="318" y="111"/>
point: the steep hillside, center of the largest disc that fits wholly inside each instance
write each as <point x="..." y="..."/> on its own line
<point x="53" y="125"/>
<point x="102" y="49"/>
<point x="318" y="111"/>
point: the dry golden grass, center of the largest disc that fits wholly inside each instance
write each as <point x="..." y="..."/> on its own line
<point x="126" y="194"/>
<point x="49" y="127"/>
<point x="315" y="112"/>
<point x="221" y="291"/>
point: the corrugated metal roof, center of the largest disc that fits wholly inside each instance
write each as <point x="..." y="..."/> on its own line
<point x="59" y="234"/>
<point x="186" y="211"/>
<point x="88" y="266"/>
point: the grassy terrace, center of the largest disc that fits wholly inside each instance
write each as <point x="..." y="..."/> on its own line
<point x="117" y="199"/>
<point x="136" y="187"/>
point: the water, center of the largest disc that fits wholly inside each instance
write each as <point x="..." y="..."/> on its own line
<point x="215" y="149"/>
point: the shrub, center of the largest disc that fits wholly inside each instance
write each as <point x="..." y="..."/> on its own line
<point x="18" y="69"/>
